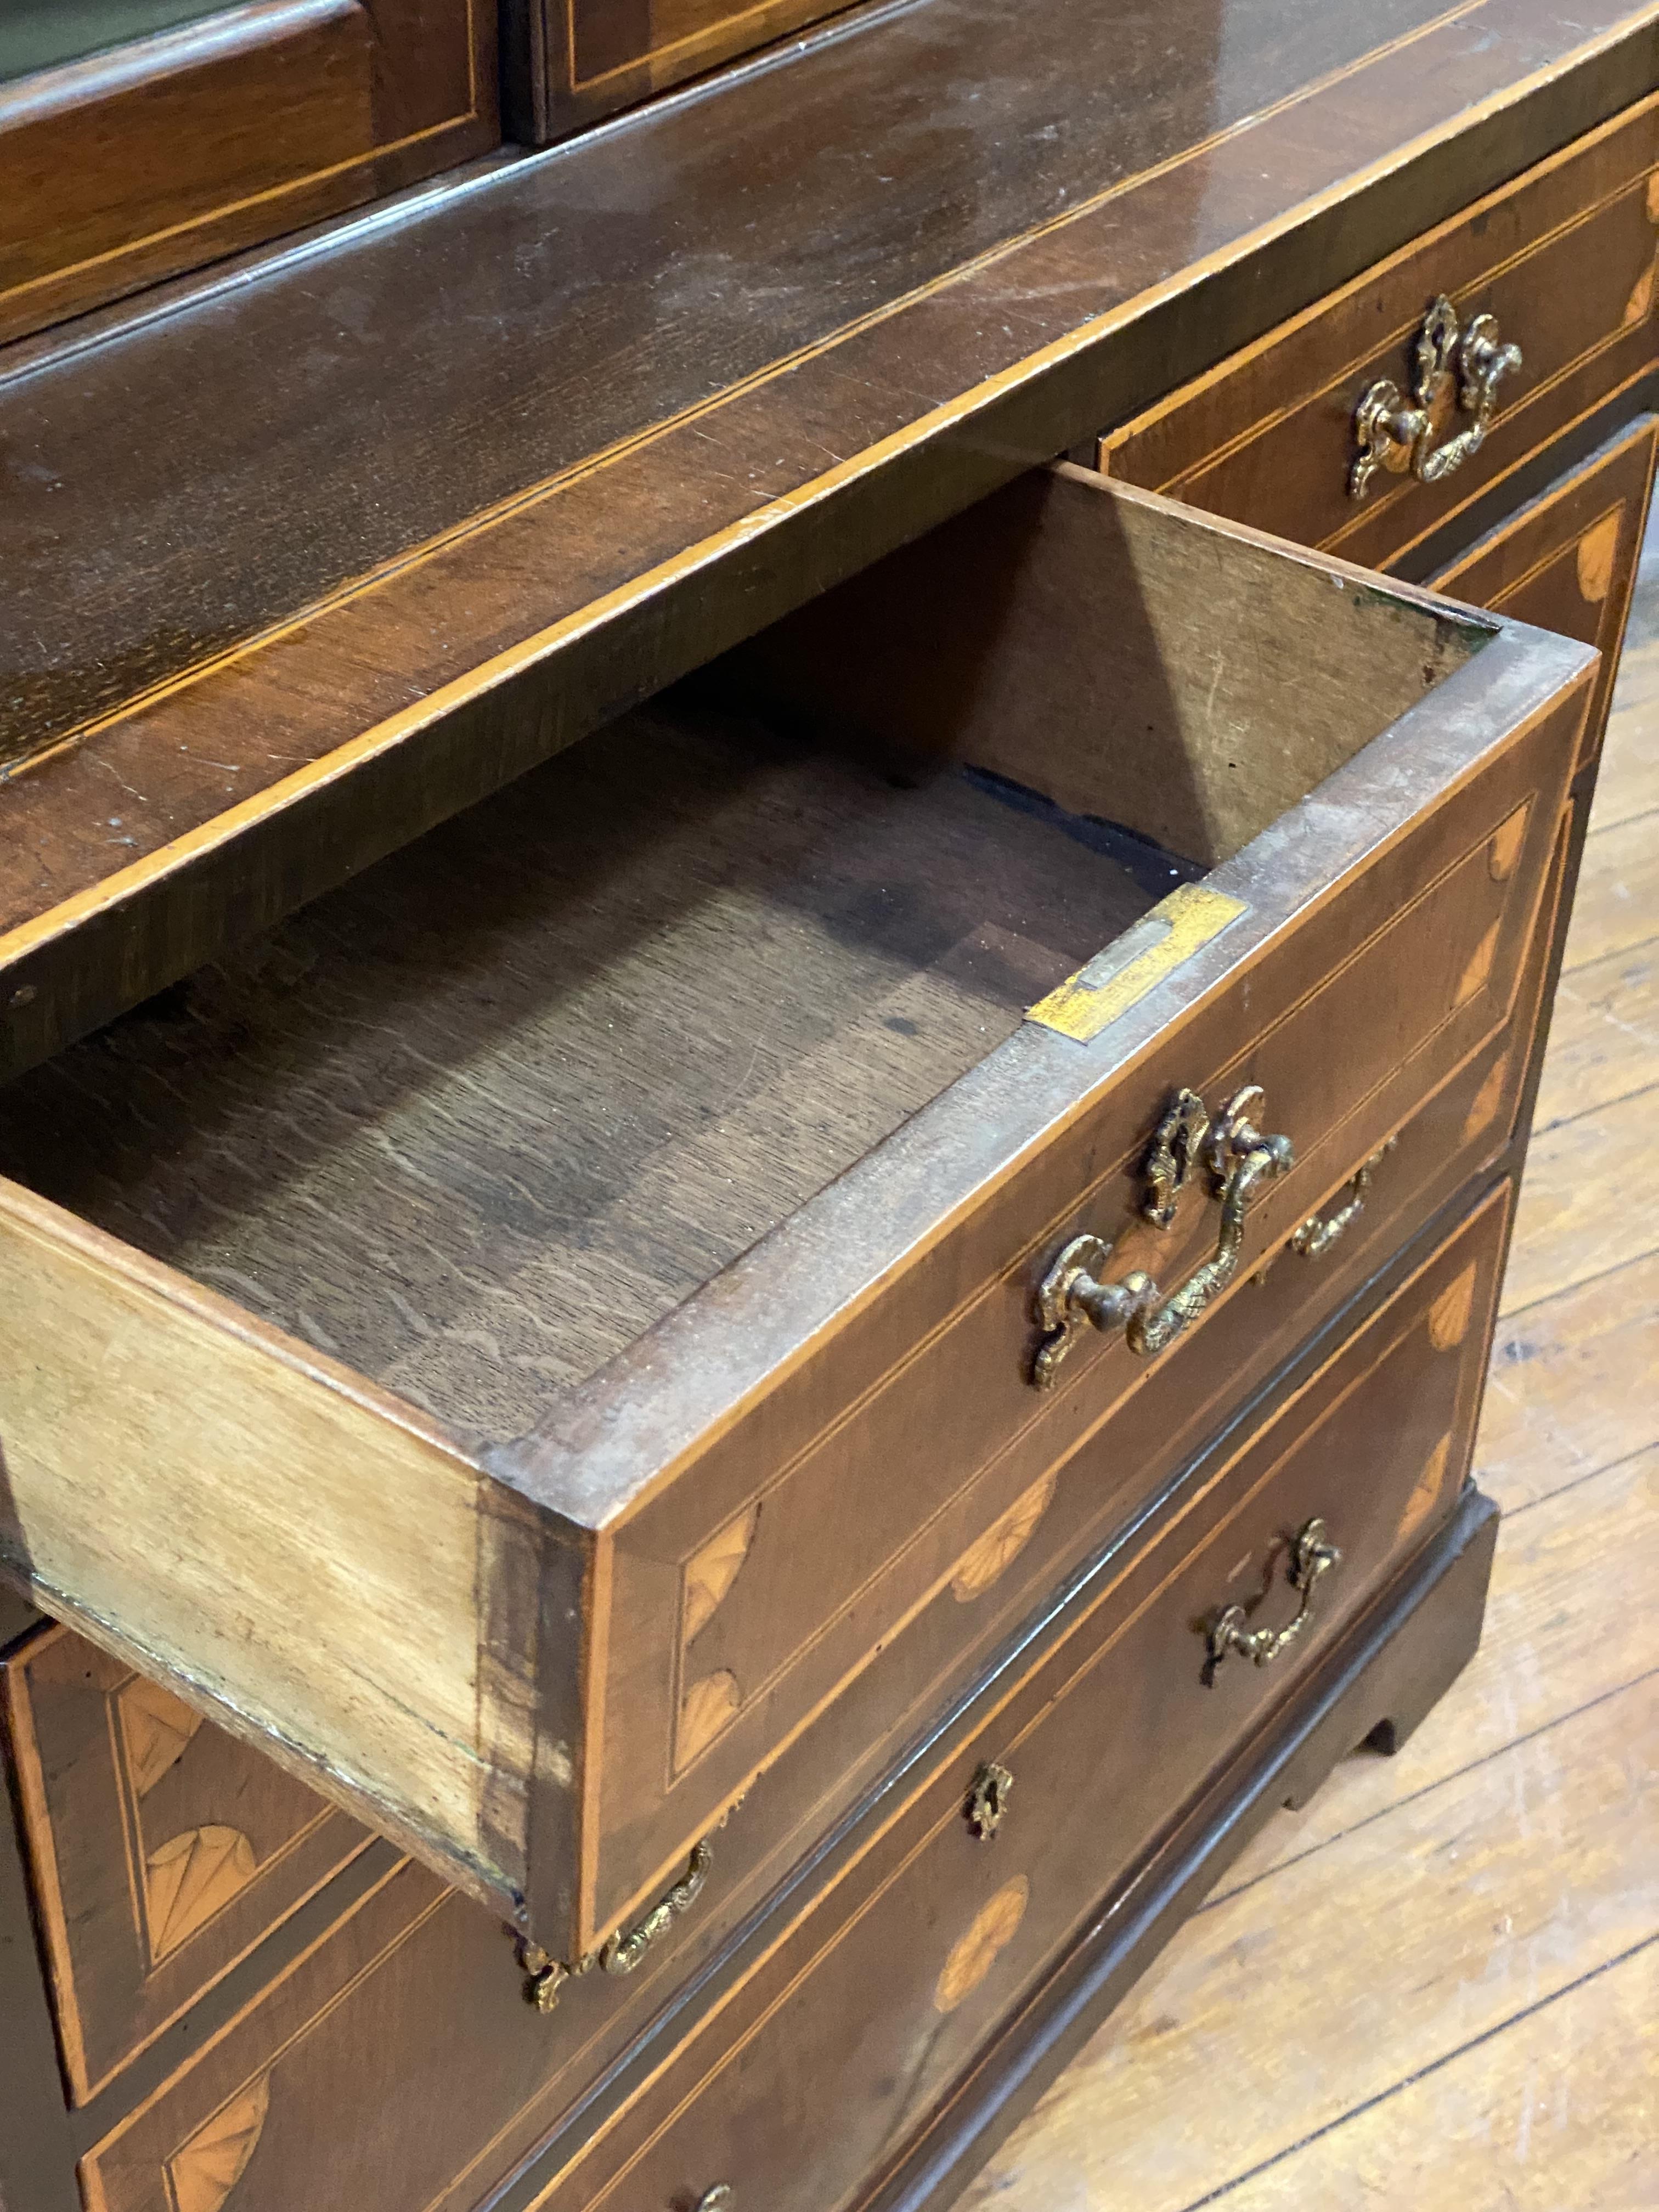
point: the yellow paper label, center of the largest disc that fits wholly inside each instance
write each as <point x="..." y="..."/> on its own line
<point x="1118" y="978"/>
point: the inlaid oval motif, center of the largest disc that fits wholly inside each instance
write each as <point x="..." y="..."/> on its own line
<point x="1002" y="1542"/>
<point x="190" y="1878"/>
<point x="1430" y="1483"/>
<point x="1449" y="1317"/>
<point x="1484" y="1110"/>
<point x="710" y="1573"/>
<point x="976" y="1950"/>
<point x="1596" y="548"/>
<point x="205" y="2170"/>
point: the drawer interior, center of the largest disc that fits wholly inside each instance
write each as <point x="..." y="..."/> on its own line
<point x="462" y="1343"/>
<point x="475" y="1121"/>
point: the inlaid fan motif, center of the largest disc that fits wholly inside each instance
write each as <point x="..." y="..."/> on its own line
<point x="192" y="1875"/>
<point x="204" y="2171"/>
<point x="189" y="1879"/>
<point x="156" y="1729"/>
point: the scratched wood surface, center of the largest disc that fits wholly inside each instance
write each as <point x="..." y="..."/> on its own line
<point x="1438" y="1985"/>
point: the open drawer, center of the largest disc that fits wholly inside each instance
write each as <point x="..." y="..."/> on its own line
<point x="511" y="1342"/>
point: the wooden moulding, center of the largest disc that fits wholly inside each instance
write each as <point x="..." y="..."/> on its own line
<point x="566" y="63"/>
<point x="168" y="150"/>
<point x="550" y="1654"/>
<point x="411" y="566"/>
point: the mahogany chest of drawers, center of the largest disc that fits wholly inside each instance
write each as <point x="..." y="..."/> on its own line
<point x="759" y="1147"/>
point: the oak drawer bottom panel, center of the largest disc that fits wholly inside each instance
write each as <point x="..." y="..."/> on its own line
<point x="377" y="2070"/>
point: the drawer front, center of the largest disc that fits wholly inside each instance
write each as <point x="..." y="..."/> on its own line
<point x="160" y="1851"/>
<point x="785" y="1557"/>
<point x="1564" y="259"/>
<point x="1567" y="560"/>
<point x="982" y="1591"/>
<point x="337" y="2086"/>
<point x="551" y="1666"/>
<point x="853" y="2026"/>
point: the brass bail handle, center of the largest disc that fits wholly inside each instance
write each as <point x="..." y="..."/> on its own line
<point x="1310" y="1557"/>
<point x="1314" y="1237"/>
<point x="1447" y="358"/>
<point x="629" y="1946"/>
<point x="1072" y="1297"/>
<point x="545" y="1976"/>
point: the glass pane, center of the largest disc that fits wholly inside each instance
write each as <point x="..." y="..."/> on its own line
<point x="34" y="34"/>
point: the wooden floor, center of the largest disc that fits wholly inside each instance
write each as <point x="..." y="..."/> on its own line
<point x="1438" y="1986"/>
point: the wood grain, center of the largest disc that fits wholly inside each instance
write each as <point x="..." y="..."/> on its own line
<point x="1604" y="1035"/>
<point x="1563" y="1630"/>
<point x="1629" y="782"/>
<point x="426" y="1133"/>
<point x="1559" y="1401"/>
<point x="1539" y="2099"/>
<point x="524" y="514"/>
<point x="570" y="63"/>
<point x="1567" y="560"/>
<point x="1560" y="2110"/>
<point x="1034" y="633"/>
<point x="1267" y="436"/>
<point x="1474" y="1928"/>
<point x="163" y="1850"/>
<point x="425" y="1127"/>
<point x="180" y="1417"/>
<point x="165" y="151"/>
<point x="1570" y="1227"/>
<point x="1618" y="890"/>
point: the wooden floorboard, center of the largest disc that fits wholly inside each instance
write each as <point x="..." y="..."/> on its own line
<point x="1438" y="1986"/>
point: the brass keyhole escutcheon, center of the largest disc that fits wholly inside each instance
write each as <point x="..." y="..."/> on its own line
<point x="988" y="1800"/>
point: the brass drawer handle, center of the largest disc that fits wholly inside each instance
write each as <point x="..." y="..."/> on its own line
<point x="1316" y="1235"/>
<point x="1394" y="436"/>
<point x="1071" y="1296"/>
<point x="1310" y="1557"/>
<point x="629" y="1946"/>
<point x="544" y="1976"/>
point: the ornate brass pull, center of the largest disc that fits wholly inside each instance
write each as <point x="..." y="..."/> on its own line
<point x="1392" y="435"/>
<point x="1071" y="1296"/>
<point x="544" y="1976"/>
<point x="1310" y="1557"/>
<point x="1316" y="1235"/>
<point x="629" y="1946"/>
